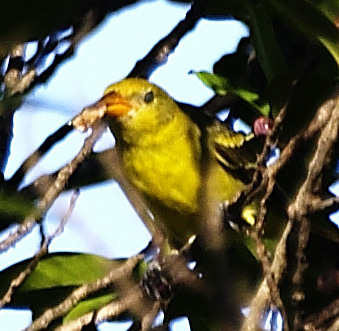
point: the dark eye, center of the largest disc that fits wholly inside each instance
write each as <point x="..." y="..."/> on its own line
<point x="149" y="97"/>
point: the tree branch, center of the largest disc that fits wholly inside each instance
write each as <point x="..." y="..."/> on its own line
<point x="159" y="54"/>
<point x="53" y="191"/>
<point x="33" y="159"/>
<point x="115" y="275"/>
<point x="263" y="294"/>
<point x="326" y="119"/>
<point x="17" y="281"/>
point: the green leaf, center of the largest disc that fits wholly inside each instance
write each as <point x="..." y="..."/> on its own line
<point x="89" y="305"/>
<point x="221" y="86"/>
<point x="95" y="303"/>
<point x="63" y="269"/>
<point x="218" y="84"/>
<point x="265" y="43"/>
<point x="58" y="272"/>
<point x="330" y="8"/>
<point x="253" y="99"/>
<point x="269" y="243"/>
<point x="15" y="205"/>
<point x="313" y="22"/>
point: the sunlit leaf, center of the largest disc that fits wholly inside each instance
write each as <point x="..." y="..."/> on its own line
<point x="218" y="84"/>
<point x="221" y="86"/>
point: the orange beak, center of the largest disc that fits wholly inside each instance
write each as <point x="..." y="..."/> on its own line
<point x="115" y="104"/>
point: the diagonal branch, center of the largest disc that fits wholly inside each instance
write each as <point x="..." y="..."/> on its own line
<point x="325" y="120"/>
<point x="53" y="192"/>
<point x="113" y="310"/>
<point x="116" y="274"/>
<point x="263" y="294"/>
<point x="17" y="281"/>
<point x="303" y="202"/>
<point x="159" y="54"/>
<point x="32" y="160"/>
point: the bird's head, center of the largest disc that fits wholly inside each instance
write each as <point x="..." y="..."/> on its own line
<point x="137" y="105"/>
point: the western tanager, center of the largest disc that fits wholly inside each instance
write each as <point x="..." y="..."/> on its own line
<point x="160" y="147"/>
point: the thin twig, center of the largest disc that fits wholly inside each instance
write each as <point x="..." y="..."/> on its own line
<point x="88" y="22"/>
<point x="14" y="69"/>
<point x="317" y="320"/>
<point x="16" y="83"/>
<point x="114" y="169"/>
<point x="300" y="206"/>
<point x="11" y="79"/>
<point x="54" y="190"/>
<point x="148" y="319"/>
<point x="269" y="276"/>
<point x="263" y="294"/>
<point x="267" y="174"/>
<point x="113" y="310"/>
<point x="329" y="204"/>
<point x="116" y="274"/>
<point x="106" y="313"/>
<point x="264" y="181"/>
<point x="279" y="263"/>
<point x="24" y="83"/>
<point x="334" y="326"/>
<point x="32" y="160"/>
<point x="132" y="296"/>
<point x="17" y="281"/>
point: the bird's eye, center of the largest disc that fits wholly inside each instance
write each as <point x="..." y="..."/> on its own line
<point x="149" y="97"/>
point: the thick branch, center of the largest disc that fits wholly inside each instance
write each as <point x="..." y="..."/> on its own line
<point x="159" y="54"/>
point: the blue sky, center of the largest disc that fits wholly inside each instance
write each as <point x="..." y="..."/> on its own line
<point x="103" y="221"/>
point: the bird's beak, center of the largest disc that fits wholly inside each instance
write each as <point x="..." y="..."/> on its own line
<point x="115" y="104"/>
<point x="111" y="104"/>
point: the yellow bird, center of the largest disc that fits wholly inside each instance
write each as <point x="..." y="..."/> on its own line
<point x="161" y="150"/>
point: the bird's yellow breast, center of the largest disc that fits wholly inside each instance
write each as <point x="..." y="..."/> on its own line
<point x="165" y="165"/>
